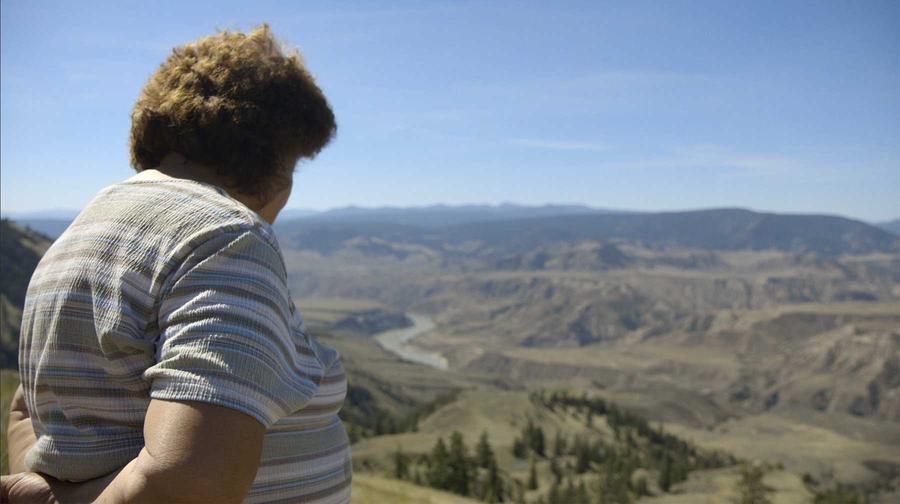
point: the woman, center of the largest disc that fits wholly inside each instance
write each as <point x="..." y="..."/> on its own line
<point x="161" y="356"/>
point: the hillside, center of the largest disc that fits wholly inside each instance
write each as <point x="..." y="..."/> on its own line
<point x="670" y="384"/>
<point x="20" y="251"/>
<point x="605" y="457"/>
<point x="371" y="489"/>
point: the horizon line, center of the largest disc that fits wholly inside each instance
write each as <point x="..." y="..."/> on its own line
<point x="68" y="213"/>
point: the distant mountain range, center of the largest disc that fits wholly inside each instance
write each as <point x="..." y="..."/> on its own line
<point x="717" y="229"/>
<point x="50" y="214"/>
<point x="429" y="215"/>
<point x="519" y="227"/>
<point x="48" y="227"/>
<point x="892" y="226"/>
<point x="54" y="222"/>
<point x="436" y="216"/>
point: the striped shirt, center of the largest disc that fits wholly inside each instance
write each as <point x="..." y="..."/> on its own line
<point x="170" y="289"/>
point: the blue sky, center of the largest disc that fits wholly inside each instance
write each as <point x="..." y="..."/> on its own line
<point x="782" y="106"/>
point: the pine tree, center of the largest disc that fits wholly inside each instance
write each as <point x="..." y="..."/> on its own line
<point x="582" y="457"/>
<point x="680" y="469"/>
<point x="639" y="486"/>
<point x="581" y="494"/>
<point x="439" y="466"/>
<point x="533" y="436"/>
<point x="400" y="464"/>
<point x="840" y="494"/>
<point x="538" y="442"/>
<point x="613" y="485"/>
<point x="557" y="472"/>
<point x="458" y="461"/>
<point x="519" y="449"/>
<point x="559" y="444"/>
<point x="665" y="474"/>
<point x="495" y="490"/>
<point x="519" y="489"/>
<point x="532" y="476"/>
<point x="554" y="496"/>
<point x="569" y="493"/>
<point x="598" y="451"/>
<point x="751" y="489"/>
<point x="483" y="451"/>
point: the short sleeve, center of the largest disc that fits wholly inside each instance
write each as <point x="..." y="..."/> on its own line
<point x="227" y="334"/>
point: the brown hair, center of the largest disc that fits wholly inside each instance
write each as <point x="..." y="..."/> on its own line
<point x="235" y="102"/>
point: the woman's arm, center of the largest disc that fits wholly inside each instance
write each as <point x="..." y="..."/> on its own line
<point x="20" y="433"/>
<point x="193" y="453"/>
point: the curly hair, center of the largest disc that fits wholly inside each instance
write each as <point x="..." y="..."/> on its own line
<point x="235" y="102"/>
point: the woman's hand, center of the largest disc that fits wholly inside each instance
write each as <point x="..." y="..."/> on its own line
<point x="36" y="488"/>
<point x="20" y="433"/>
<point x="26" y="487"/>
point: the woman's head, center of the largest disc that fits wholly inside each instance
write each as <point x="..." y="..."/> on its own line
<point x="234" y="102"/>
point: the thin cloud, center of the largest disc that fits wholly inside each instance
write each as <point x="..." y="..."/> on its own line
<point x="713" y="157"/>
<point x="594" y="86"/>
<point x="563" y="145"/>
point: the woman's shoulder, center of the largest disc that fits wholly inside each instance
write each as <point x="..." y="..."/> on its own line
<point x="172" y="209"/>
<point x="156" y="226"/>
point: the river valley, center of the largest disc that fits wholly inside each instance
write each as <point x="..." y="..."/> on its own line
<point x="399" y="341"/>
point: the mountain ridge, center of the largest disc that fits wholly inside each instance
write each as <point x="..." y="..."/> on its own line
<point x="20" y="251"/>
<point x="712" y="229"/>
<point x="892" y="226"/>
<point x="517" y="228"/>
<point x="727" y="228"/>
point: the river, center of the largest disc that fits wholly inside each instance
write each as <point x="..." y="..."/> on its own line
<point x="398" y="341"/>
